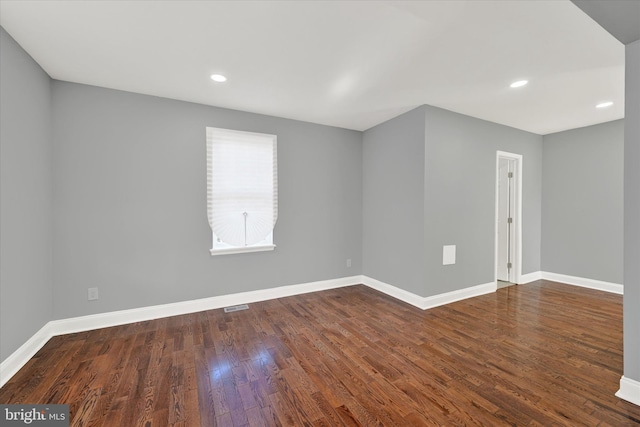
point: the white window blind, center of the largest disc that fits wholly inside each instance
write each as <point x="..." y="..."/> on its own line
<point x="242" y="187"/>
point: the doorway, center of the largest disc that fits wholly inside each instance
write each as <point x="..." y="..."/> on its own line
<point x="508" y="233"/>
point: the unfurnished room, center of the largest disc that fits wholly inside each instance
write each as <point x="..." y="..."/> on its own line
<point x="320" y="213"/>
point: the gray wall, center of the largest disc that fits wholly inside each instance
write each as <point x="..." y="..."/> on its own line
<point x="429" y="181"/>
<point x="632" y="213"/>
<point x="25" y="197"/>
<point x="393" y="194"/>
<point x="130" y="205"/>
<point x="460" y="179"/>
<point x="582" y="202"/>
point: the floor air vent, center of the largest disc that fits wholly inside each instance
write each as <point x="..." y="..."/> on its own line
<point x="236" y="308"/>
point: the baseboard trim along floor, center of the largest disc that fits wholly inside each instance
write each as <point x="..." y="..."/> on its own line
<point x="12" y="364"/>
<point x="599" y="285"/>
<point x="629" y="390"/>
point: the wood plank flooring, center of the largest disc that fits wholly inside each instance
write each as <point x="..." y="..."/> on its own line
<point x="542" y="354"/>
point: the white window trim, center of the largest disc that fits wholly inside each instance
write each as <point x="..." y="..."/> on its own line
<point x="220" y="248"/>
<point x="246" y="249"/>
<point x="223" y="249"/>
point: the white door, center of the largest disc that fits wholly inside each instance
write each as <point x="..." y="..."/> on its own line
<point x="506" y="208"/>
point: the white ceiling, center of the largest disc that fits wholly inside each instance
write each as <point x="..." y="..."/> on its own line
<point x="351" y="64"/>
<point x="621" y="18"/>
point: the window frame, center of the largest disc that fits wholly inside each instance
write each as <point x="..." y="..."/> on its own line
<point x="217" y="246"/>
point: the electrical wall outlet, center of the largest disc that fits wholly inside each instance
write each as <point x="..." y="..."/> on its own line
<point x="348" y="262"/>
<point x="92" y="294"/>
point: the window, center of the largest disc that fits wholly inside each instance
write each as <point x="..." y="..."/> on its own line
<point x="242" y="190"/>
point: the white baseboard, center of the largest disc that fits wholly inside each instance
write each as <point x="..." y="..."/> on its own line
<point x="432" y="301"/>
<point x="629" y="390"/>
<point x="17" y="359"/>
<point x="584" y="282"/>
<point x="530" y="277"/>
<point x="115" y="318"/>
<point x="572" y="280"/>
<point x="392" y="291"/>
<point x="12" y="364"/>
<point x="453" y="296"/>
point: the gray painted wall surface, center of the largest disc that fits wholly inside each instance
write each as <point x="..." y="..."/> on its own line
<point x="460" y="179"/>
<point x="582" y="202"/>
<point x="632" y="213"/>
<point x="130" y="205"/>
<point x="25" y="197"/>
<point x="429" y="181"/>
<point x="393" y="194"/>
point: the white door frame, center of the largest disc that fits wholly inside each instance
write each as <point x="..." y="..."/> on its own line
<point x="517" y="216"/>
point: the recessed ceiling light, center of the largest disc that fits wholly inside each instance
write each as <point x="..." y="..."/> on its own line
<point x="519" y="83"/>
<point x="219" y="78"/>
<point x="604" y="104"/>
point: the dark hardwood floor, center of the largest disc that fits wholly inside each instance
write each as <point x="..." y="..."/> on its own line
<point x="541" y="354"/>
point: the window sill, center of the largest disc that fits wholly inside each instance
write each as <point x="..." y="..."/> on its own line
<point x="228" y="251"/>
